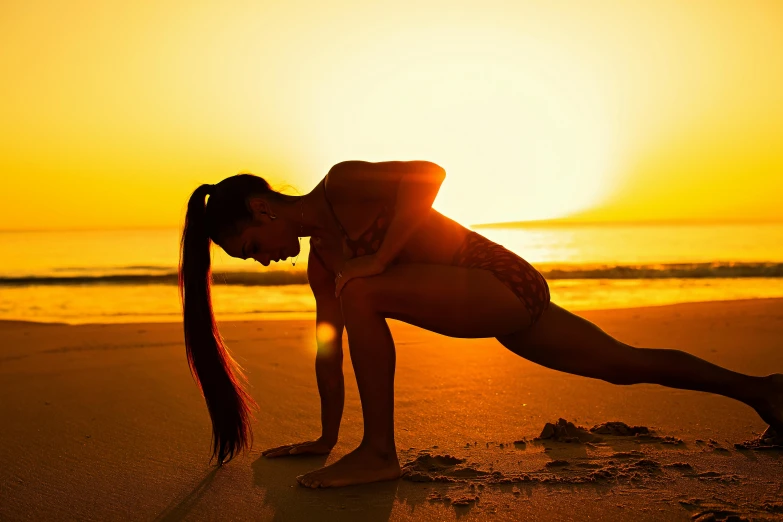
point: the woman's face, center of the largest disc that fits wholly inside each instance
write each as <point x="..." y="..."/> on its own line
<point x="265" y="240"/>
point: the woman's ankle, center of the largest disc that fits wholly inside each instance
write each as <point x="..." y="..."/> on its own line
<point x="383" y="450"/>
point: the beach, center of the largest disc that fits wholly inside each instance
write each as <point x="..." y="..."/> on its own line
<point x="104" y="422"/>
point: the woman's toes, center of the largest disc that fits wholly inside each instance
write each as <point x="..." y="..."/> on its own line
<point x="770" y="433"/>
<point x="308" y="480"/>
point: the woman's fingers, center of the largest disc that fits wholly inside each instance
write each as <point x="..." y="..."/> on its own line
<point x="281" y="451"/>
<point x="296" y="449"/>
<point x="293" y="450"/>
<point x="339" y="284"/>
<point x="278" y="453"/>
<point x="274" y="450"/>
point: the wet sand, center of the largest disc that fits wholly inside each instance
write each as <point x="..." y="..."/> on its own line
<point x="104" y="422"/>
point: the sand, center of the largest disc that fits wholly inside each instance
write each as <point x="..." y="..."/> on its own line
<point x="103" y="422"/>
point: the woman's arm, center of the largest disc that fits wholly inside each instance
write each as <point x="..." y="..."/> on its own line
<point x="415" y="195"/>
<point x="329" y="326"/>
<point x="329" y="364"/>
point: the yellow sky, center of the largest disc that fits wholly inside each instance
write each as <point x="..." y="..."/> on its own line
<point x="113" y="112"/>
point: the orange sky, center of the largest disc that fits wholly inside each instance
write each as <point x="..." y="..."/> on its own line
<point x="114" y="112"/>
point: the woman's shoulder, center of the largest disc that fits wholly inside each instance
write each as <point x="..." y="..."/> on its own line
<point x="348" y="183"/>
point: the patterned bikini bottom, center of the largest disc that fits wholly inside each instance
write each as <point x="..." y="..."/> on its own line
<point x="517" y="274"/>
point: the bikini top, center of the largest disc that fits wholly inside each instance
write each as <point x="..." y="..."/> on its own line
<point x="371" y="239"/>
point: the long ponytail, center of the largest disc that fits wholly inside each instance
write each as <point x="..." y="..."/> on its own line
<point x="217" y="374"/>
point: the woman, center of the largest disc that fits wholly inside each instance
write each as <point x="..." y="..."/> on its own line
<point x="378" y="250"/>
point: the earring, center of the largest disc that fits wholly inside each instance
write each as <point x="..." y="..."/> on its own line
<point x="293" y="262"/>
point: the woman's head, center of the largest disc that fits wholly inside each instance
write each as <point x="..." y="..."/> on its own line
<point x="236" y="215"/>
<point x="242" y="218"/>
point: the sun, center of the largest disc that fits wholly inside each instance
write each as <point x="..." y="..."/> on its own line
<point x="524" y="132"/>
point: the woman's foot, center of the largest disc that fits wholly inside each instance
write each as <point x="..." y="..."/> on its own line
<point x="771" y="406"/>
<point x="360" y="466"/>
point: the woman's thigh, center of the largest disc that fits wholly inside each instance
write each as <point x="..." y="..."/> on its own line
<point x="449" y="300"/>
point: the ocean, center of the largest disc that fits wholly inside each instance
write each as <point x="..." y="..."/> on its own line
<point x="122" y="276"/>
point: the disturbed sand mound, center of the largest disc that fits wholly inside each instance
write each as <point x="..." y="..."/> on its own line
<point x="592" y="456"/>
<point x="631" y="465"/>
<point x="565" y="431"/>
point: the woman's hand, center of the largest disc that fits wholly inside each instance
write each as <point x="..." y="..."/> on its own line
<point x="362" y="266"/>
<point x="315" y="447"/>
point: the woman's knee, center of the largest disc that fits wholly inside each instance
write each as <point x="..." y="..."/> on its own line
<point x="621" y="365"/>
<point x="358" y="295"/>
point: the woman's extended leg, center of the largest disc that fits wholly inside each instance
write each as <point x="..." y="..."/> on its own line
<point x="563" y="341"/>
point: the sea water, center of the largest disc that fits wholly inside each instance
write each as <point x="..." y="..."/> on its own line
<point x="112" y="276"/>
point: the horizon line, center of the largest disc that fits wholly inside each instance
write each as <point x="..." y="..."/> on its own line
<point x="544" y="223"/>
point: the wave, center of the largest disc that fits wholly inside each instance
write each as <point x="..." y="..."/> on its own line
<point x="549" y="271"/>
<point x="666" y="271"/>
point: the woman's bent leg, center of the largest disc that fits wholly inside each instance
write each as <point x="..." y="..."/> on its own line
<point x="454" y="301"/>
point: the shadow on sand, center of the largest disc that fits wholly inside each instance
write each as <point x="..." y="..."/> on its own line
<point x="290" y="501"/>
<point x="179" y="510"/>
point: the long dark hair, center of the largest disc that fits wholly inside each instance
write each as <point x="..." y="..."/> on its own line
<point x="217" y="374"/>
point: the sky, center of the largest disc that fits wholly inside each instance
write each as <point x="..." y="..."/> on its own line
<point x="114" y="112"/>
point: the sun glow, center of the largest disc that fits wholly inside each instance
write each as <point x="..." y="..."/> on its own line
<point x="522" y="131"/>
<point x="325" y="335"/>
<point x="536" y="110"/>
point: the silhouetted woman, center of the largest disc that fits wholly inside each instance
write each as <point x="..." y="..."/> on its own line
<point x="378" y="250"/>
